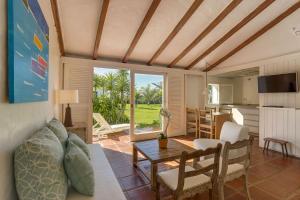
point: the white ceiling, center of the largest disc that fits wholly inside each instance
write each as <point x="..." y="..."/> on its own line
<point x="79" y="20"/>
<point x="240" y="73"/>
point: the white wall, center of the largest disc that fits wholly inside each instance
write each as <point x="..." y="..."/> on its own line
<point x="245" y="90"/>
<point x="194" y="86"/>
<point x="18" y="121"/>
<point x="280" y="66"/>
<point x="175" y="86"/>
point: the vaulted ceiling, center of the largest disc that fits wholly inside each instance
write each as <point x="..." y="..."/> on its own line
<point x="178" y="33"/>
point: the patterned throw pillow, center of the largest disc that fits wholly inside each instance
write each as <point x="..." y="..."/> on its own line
<point x="80" y="143"/>
<point x="59" y="130"/>
<point x="79" y="170"/>
<point x="38" y="168"/>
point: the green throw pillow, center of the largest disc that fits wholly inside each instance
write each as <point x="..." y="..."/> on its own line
<point x="80" y="143"/>
<point x="38" y="168"/>
<point x="79" y="170"/>
<point x="59" y="130"/>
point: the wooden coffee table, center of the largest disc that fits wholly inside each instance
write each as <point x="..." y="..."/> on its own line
<point x="151" y="151"/>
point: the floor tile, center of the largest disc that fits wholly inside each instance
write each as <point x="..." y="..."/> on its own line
<point x="131" y="182"/>
<point x="258" y="194"/>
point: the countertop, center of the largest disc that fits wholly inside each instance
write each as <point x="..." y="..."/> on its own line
<point x="247" y="106"/>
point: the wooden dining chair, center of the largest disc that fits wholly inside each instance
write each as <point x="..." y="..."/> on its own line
<point x="206" y="124"/>
<point x="234" y="163"/>
<point x="192" y="121"/>
<point x="186" y="181"/>
<point x="209" y="108"/>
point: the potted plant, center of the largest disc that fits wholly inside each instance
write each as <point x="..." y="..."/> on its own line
<point x="163" y="137"/>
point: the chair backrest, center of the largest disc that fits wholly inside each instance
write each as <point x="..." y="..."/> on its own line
<point x="242" y="158"/>
<point x="195" y="155"/>
<point x="205" y="116"/>
<point x="100" y="119"/>
<point x="207" y="108"/>
<point x="192" y="113"/>
<point x="232" y="132"/>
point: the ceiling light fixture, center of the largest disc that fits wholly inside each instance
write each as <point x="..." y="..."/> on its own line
<point x="296" y="31"/>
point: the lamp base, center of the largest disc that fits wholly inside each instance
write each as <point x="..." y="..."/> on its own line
<point x="68" y="117"/>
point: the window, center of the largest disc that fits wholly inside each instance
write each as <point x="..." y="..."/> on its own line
<point x="220" y="93"/>
<point x="213" y="94"/>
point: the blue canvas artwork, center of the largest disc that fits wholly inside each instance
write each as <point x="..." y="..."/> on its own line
<point x="28" y="51"/>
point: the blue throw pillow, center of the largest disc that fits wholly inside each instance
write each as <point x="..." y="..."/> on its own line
<point x="80" y="143"/>
<point x="38" y="168"/>
<point x="79" y="170"/>
<point x="59" y="130"/>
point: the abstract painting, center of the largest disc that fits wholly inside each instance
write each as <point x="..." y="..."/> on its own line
<point x="28" y="51"/>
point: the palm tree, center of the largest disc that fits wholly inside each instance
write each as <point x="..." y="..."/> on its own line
<point x="148" y="94"/>
<point x="137" y="97"/>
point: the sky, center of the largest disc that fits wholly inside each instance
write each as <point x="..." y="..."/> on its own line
<point x="141" y="80"/>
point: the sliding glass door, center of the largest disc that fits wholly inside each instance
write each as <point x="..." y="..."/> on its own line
<point x="146" y="102"/>
<point x="128" y="102"/>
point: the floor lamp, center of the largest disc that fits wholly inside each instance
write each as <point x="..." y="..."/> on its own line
<point x="68" y="97"/>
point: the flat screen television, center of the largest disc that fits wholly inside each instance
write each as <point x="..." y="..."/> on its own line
<point x="280" y="83"/>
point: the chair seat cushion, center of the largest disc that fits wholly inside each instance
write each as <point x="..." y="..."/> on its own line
<point x="204" y="143"/>
<point x="170" y="178"/>
<point x="233" y="171"/>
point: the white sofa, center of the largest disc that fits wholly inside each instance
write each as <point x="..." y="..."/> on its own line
<point x="106" y="184"/>
<point x="231" y="132"/>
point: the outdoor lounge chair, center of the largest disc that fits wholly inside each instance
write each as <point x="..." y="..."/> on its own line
<point x="102" y="127"/>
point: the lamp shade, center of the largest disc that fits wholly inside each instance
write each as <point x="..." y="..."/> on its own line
<point x="67" y="96"/>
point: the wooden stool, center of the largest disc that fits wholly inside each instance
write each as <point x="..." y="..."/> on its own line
<point x="278" y="141"/>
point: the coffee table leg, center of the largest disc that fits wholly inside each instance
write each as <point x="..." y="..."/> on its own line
<point x="153" y="176"/>
<point x="134" y="156"/>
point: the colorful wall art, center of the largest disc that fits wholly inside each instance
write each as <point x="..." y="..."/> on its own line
<point x="28" y="51"/>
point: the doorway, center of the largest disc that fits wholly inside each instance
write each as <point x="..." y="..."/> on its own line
<point x="127" y="101"/>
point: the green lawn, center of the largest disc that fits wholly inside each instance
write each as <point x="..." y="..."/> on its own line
<point x="146" y="115"/>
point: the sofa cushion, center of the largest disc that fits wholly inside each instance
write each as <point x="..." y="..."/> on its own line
<point x="39" y="171"/>
<point x="80" y="143"/>
<point x="59" y="130"/>
<point x="106" y="184"/>
<point x="79" y="169"/>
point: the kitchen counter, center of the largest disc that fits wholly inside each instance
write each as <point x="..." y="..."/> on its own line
<point x="249" y="106"/>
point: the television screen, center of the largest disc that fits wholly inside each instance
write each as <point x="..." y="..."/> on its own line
<point x="278" y="83"/>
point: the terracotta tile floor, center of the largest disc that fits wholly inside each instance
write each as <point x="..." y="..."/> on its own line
<point x="271" y="176"/>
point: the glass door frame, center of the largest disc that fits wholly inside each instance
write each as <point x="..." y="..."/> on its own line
<point x="151" y="134"/>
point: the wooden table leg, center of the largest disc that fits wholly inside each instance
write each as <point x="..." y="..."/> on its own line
<point x="153" y="176"/>
<point x="134" y="156"/>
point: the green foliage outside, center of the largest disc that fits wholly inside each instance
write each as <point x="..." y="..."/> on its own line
<point x="146" y="115"/>
<point x="112" y="96"/>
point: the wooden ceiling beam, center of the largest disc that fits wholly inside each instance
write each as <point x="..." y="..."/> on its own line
<point x="141" y="29"/>
<point x="100" y="28"/>
<point x="253" y="37"/>
<point x="236" y="28"/>
<point x="177" y="28"/>
<point x="57" y="24"/>
<point x="206" y="31"/>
